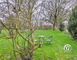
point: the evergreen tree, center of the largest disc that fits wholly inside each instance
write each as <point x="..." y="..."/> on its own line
<point x="61" y="26"/>
<point x="72" y="24"/>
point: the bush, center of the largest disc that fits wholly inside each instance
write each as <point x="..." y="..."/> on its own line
<point x="45" y="27"/>
<point x="72" y="24"/>
<point x="61" y="26"/>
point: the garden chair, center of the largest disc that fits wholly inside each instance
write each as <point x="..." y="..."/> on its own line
<point x="35" y="42"/>
<point x="49" y="39"/>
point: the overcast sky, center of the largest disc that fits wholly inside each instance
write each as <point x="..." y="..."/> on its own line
<point x="39" y="8"/>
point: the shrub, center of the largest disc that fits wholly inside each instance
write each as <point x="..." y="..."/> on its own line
<point x="45" y="27"/>
<point x="72" y="24"/>
<point x="61" y="26"/>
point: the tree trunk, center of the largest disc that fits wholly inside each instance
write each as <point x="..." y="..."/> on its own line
<point x="54" y="25"/>
<point x="0" y="31"/>
<point x="28" y="58"/>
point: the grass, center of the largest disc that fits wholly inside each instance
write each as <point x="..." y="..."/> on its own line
<point x="52" y="51"/>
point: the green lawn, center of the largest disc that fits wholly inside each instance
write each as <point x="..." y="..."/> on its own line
<point x="52" y="51"/>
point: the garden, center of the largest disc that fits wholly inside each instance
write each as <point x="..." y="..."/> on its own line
<point x="38" y="29"/>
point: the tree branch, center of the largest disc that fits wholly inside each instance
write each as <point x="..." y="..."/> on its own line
<point x="4" y="25"/>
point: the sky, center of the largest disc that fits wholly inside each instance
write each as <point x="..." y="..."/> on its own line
<point x="38" y="9"/>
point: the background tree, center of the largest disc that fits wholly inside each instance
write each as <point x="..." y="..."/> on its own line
<point x="72" y="24"/>
<point x="59" y="11"/>
<point x="55" y="11"/>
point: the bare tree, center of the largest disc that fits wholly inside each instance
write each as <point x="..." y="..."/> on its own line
<point x="55" y="11"/>
<point x="59" y="11"/>
<point x="22" y="11"/>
